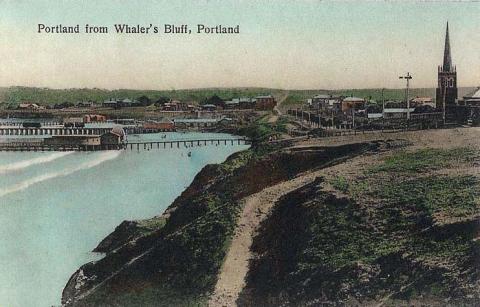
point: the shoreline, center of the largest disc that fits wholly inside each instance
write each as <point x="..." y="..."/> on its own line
<point x="190" y="244"/>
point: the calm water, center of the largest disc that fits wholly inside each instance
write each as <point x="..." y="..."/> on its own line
<point x="55" y="207"/>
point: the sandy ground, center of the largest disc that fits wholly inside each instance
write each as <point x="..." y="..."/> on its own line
<point x="257" y="206"/>
<point x="420" y="138"/>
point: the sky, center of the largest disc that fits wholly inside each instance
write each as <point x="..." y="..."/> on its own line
<point x="282" y="44"/>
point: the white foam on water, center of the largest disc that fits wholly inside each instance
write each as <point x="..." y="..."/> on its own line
<point x="103" y="157"/>
<point x="16" y="166"/>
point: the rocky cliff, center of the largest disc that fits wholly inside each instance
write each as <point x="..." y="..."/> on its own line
<point x="174" y="259"/>
<point x="383" y="224"/>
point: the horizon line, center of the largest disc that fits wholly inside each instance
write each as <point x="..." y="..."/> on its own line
<point x="221" y="88"/>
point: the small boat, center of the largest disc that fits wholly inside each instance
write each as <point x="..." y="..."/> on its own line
<point x="189" y="154"/>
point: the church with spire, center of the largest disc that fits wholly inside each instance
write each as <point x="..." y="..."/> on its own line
<point x="447" y="78"/>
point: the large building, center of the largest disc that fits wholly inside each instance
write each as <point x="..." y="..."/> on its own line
<point x="447" y="78"/>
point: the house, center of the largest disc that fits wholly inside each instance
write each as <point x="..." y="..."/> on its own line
<point x="265" y="102"/>
<point x="246" y="103"/>
<point x="472" y="99"/>
<point x="182" y="123"/>
<point x="168" y="106"/>
<point x="396" y="112"/>
<point x="216" y="101"/>
<point x="209" y="107"/>
<point x="127" y="102"/>
<point x="320" y="101"/>
<point x="114" y="137"/>
<point x="29" y="106"/>
<point x="191" y="107"/>
<point x="374" y="111"/>
<point x="422" y="101"/>
<point x="111" y="103"/>
<point x="353" y="103"/>
<point x="162" y="125"/>
<point x="324" y="102"/>
<point x="424" y="109"/>
<point x="232" y="104"/>
<point x="85" y="104"/>
<point x="66" y="140"/>
<point x="181" y="106"/>
<point x="94" y="118"/>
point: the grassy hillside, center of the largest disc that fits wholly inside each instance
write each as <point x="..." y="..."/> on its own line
<point x="46" y="96"/>
<point x="401" y="231"/>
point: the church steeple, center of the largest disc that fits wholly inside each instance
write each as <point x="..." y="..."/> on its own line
<point x="447" y="57"/>
<point x="447" y="91"/>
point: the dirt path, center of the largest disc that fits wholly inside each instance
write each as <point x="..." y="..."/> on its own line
<point x="276" y="110"/>
<point x="231" y="279"/>
<point x="235" y="268"/>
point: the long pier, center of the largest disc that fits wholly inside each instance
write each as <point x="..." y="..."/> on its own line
<point x="148" y="145"/>
<point x="186" y="143"/>
<point x="60" y="130"/>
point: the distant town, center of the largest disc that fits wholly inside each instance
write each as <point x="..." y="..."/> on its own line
<point x="93" y="124"/>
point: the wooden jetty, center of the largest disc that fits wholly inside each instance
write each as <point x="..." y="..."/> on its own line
<point x="54" y="130"/>
<point x="148" y="145"/>
<point x="61" y="130"/>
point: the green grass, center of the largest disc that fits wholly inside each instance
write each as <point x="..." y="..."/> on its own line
<point x="261" y="130"/>
<point x="453" y="196"/>
<point x="340" y="183"/>
<point x="153" y="224"/>
<point x="398" y="228"/>
<point x="147" y="297"/>
<point x="424" y="160"/>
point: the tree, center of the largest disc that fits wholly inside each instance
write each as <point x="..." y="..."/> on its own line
<point x="215" y="100"/>
<point x="144" y="100"/>
<point x="161" y="101"/>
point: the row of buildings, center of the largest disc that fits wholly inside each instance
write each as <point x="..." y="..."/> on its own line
<point x="263" y="102"/>
<point x="328" y="104"/>
<point x="115" y="138"/>
<point x="446" y="99"/>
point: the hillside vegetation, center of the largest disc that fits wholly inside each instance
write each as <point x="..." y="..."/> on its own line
<point x="402" y="231"/>
<point x="46" y="96"/>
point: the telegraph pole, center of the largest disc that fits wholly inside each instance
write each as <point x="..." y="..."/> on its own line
<point x="383" y="102"/>
<point x="383" y="109"/>
<point x="407" y="77"/>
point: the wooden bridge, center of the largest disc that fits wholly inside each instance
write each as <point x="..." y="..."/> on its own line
<point x="38" y="145"/>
